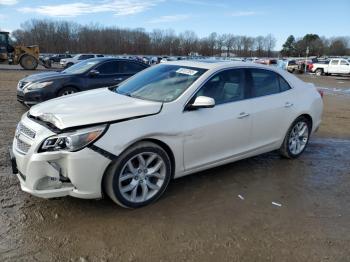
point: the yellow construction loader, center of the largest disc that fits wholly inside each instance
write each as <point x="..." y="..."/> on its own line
<point x="26" y="56"/>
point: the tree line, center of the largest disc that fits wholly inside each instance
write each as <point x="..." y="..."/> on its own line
<point x="63" y="36"/>
<point x="316" y="46"/>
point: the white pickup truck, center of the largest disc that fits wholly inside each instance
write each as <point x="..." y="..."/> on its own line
<point x="334" y="66"/>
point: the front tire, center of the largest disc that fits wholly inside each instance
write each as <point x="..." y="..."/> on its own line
<point x="69" y="65"/>
<point x="28" y="62"/>
<point x="67" y="91"/>
<point x="296" y="138"/>
<point x="139" y="176"/>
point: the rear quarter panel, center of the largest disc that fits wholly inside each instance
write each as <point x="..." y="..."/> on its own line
<point x="308" y="101"/>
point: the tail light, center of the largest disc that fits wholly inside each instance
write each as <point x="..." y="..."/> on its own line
<point x="320" y="92"/>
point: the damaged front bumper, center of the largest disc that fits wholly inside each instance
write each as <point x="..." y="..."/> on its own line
<point x="55" y="174"/>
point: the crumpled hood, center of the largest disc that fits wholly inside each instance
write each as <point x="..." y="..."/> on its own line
<point x="92" y="107"/>
<point x="47" y="76"/>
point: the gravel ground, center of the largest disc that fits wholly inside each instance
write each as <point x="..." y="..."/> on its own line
<point x="223" y="214"/>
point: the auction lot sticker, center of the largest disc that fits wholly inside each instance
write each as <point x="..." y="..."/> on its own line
<point x="186" y="71"/>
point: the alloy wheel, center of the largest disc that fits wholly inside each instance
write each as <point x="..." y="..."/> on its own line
<point x="142" y="177"/>
<point x="68" y="92"/>
<point x="298" y="137"/>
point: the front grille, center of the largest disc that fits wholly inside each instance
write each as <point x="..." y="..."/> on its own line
<point x="26" y="131"/>
<point x="22" y="146"/>
<point x="21" y="84"/>
<point x="20" y="98"/>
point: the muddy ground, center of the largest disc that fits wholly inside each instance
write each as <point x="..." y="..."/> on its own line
<point x="200" y="217"/>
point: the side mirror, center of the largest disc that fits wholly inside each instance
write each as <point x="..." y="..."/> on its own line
<point x="94" y="73"/>
<point x="202" y="102"/>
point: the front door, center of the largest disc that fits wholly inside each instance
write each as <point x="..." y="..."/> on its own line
<point x="218" y="133"/>
<point x="108" y="75"/>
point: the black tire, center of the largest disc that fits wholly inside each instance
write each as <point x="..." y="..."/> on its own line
<point x="285" y="149"/>
<point x="319" y="72"/>
<point x="67" y="91"/>
<point x="111" y="178"/>
<point x="28" y="62"/>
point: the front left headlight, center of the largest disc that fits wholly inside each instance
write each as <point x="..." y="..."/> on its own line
<point x="32" y="86"/>
<point x="73" y="141"/>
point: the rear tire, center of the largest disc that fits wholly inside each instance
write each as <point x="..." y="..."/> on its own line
<point x="296" y="138"/>
<point x="319" y="72"/>
<point x="139" y="176"/>
<point x="28" y="62"/>
<point x="67" y="91"/>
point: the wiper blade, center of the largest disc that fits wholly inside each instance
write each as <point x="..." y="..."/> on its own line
<point x="126" y="94"/>
<point x="122" y="93"/>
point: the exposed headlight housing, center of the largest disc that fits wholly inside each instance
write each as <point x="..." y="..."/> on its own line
<point x="72" y="141"/>
<point x="32" y="86"/>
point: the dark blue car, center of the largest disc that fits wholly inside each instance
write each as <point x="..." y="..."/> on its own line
<point x="86" y="75"/>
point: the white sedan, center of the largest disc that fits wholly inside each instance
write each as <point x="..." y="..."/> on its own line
<point x="168" y="121"/>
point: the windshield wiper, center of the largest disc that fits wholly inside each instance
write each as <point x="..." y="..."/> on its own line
<point x="122" y="93"/>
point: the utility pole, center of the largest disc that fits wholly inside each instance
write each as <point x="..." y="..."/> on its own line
<point x="307" y="53"/>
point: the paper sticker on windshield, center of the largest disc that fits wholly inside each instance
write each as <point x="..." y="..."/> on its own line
<point x="186" y="71"/>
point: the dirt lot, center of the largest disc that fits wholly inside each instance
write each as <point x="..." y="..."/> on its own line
<point x="201" y="217"/>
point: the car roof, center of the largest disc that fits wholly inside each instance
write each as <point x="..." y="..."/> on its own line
<point x="101" y="59"/>
<point x="216" y="64"/>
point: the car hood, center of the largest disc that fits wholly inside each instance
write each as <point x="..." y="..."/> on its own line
<point x="92" y="107"/>
<point x="47" y="76"/>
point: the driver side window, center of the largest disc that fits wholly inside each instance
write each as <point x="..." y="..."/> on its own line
<point x="226" y="86"/>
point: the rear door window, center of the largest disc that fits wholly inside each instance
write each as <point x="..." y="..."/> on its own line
<point x="127" y="67"/>
<point x="108" y="68"/>
<point x="263" y="82"/>
<point x="284" y="86"/>
<point x="84" y="57"/>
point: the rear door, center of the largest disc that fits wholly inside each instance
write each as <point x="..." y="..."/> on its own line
<point x="272" y="103"/>
<point x="333" y="67"/>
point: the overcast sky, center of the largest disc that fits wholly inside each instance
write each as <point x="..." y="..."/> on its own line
<point x="246" y="17"/>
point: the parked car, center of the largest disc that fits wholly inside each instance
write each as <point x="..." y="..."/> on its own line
<point x="168" y="59"/>
<point x="86" y="75"/>
<point x="168" y="121"/>
<point x="334" y="66"/>
<point x="67" y="62"/>
<point x="293" y="67"/>
<point x="251" y="59"/>
<point x="57" y="58"/>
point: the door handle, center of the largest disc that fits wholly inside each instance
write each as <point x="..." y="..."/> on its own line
<point x="118" y="79"/>
<point x="242" y="115"/>
<point x="288" y="104"/>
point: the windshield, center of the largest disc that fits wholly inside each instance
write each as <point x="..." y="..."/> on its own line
<point x="162" y="83"/>
<point x="80" y="67"/>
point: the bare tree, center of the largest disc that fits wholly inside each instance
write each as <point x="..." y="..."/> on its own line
<point x="62" y="36"/>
